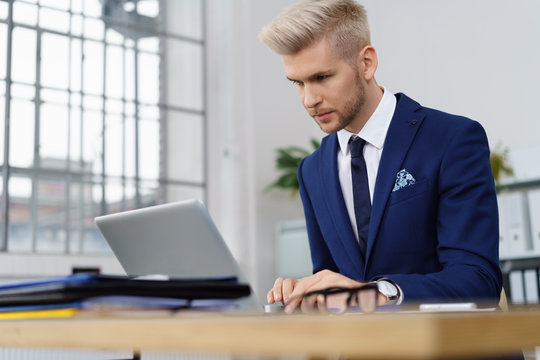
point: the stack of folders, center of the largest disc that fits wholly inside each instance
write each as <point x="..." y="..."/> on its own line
<point x="70" y="295"/>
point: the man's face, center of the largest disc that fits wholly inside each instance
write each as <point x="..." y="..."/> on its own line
<point x="330" y="89"/>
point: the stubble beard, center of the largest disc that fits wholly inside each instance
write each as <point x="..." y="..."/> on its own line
<point x="351" y="109"/>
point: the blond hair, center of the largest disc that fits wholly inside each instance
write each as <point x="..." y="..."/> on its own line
<point x="343" y="22"/>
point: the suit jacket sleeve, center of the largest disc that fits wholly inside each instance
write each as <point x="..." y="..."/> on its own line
<point x="320" y="254"/>
<point x="466" y="226"/>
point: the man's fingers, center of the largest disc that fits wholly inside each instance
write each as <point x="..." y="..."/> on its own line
<point x="287" y="288"/>
<point x="270" y="297"/>
<point x="276" y="292"/>
<point x="292" y="304"/>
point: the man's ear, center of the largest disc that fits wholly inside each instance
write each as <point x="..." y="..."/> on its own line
<point x="367" y="62"/>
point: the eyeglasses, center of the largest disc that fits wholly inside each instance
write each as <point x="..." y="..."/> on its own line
<point x="337" y="300"/>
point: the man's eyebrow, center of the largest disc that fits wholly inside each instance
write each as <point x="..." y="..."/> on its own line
<point x="312" y="77"/>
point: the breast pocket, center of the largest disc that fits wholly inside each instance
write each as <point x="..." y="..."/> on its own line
<point x="409" y="191"/>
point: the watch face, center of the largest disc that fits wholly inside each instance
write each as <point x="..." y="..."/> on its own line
<point x="387" y="288"/>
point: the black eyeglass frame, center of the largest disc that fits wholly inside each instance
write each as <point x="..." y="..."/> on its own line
<point x="353" y="292"/>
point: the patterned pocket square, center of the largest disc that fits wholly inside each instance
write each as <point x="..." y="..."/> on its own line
<point x="403" y="179"/>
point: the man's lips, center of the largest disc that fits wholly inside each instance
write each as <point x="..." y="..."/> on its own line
<point x="323" y="115"/>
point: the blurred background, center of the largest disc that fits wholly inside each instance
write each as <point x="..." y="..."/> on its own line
<point x="111" y="105"/>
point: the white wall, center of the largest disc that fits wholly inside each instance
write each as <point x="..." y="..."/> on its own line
<point x="476" y="58"/>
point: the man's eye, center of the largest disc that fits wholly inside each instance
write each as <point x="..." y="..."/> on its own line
<point x="296" y="82"/>
<point x="321" y="77"/>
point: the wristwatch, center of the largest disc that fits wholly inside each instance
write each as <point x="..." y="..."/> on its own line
<point x="390" y="290"/>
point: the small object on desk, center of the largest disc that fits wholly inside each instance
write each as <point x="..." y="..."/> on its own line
<point x="273" y="308"/>
<point x="466" y="306"/>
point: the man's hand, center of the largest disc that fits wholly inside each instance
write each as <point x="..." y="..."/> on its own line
<point x="290" y="291"/>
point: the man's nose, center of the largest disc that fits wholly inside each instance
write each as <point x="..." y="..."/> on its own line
<point x="311" y="97"/>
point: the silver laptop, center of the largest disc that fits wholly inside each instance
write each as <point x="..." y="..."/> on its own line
<point x="177" y="239"/>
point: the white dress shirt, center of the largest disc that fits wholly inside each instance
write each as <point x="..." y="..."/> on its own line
<point x="374" y="133"/>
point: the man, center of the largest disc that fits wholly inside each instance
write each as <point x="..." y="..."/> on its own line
<point x="414" y="209"/>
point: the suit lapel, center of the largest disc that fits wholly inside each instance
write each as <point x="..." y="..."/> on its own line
<point x="336" y="205"/>
<point x="401" y="132"/>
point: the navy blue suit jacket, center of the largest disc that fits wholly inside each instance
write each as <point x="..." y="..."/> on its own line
<point x="438" y="238"/>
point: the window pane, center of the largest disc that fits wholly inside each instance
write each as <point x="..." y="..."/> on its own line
<point x="92" y="8"/>
<point x="185" y="147"/>
<point x="130" y="109"/>
<point x="21" y="145"/>
<point x="93" y="103"/>
<point x="94" y="29"/>
<point x="148" y="8"/>
<point x="24" y="13"/>
<point x="129" y="75"/>
<point x="114" y="107"/>
<point x="80" y="204"/>
<point x="149" y="149"/>
<point x="59" y="4"/>
<point x="54" y="20"/>
<point x="76" y="100"/>
<point x="185" y="78"/>
<point x="149" y="112"/>
<point x="150" y="44"/>
<point x="116" y="194"/>
<point x="75" y="222"/>
<point x="54" y="96"/>
<point x="114" y="37"/>
<point x="55" y="61"/>
<point x="76" y="25"/>
<point x="3" y="49"/>
<point x="4" y="9"/>
<point x="92" y="140"/>
<point x="2" y="125"/>
<point x="51" y="233"/>
<point x="148" y="75"/>
<point x="23" y="61"/>
<point x="184" y="17"/>
<point x="77" y="6"/>
<point x="20" y="222"/>
<point x="115" y="67"/>
<point x="93" y="241"/>
<point x="23" y="92"/>
<point x="93" y="67"/>
<point x="75" y="138"/>
<point x="54" y="135"/>
<point x="114" y="134"/>
<point x="76" y="65"/>
<point x="130" y="147"/>
<point x="120" y="195"/>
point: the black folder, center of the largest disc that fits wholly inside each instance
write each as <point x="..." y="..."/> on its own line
<point x="79" y="287"/>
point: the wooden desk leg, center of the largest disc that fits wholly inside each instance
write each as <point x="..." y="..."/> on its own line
<point x="136" y="354"/>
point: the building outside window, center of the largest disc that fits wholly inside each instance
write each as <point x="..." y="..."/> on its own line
<point x="102" y="109"/>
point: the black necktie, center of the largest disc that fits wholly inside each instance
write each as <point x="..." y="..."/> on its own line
<point x="362" y="202"/>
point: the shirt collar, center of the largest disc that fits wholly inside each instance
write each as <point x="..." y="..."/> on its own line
<point x="374" y="131"/>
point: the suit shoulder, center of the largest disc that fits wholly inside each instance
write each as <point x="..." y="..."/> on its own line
<point x="438" y="118"/>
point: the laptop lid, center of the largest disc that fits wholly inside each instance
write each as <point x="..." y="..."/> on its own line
<point x="176" y="239"/>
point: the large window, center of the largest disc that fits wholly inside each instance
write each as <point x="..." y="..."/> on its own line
<point x="102" y="109"/>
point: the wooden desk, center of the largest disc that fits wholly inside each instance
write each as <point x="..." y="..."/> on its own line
<point x="376" y="336"/>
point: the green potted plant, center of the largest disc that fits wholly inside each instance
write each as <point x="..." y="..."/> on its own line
<point x="287" y="161"/>
<point x="499" y="163"/>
